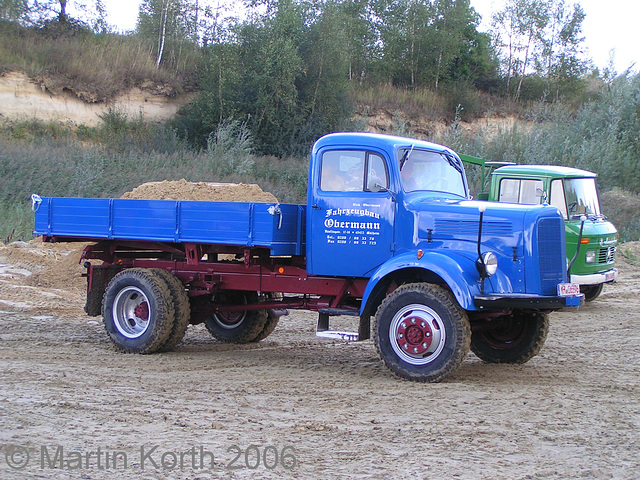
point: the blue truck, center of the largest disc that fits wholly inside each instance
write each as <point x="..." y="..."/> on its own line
<point x="389" y="236"/>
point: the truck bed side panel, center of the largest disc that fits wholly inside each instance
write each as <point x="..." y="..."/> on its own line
<point x="226" y="223"/>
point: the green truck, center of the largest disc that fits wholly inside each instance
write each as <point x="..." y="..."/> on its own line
<point x="591" y="238"/>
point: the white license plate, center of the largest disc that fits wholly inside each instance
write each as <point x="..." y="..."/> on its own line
<point x="609" y="276"/>
<point x="568" y="289"/>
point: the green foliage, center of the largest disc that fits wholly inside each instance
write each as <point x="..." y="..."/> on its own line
<point x="17" y="221"/>
<point x="229" y="148"/>
<point x="94" y="67"/>
<point x="622" y="207"/>
<point x="94" y="162"/>
<point x="541" y="37"/>
<point x="416" y="103"/>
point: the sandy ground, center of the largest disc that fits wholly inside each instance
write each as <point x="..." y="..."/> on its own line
<point x="571" y="412"/>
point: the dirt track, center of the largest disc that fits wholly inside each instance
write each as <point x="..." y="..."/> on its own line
<point x="571" y="412"/>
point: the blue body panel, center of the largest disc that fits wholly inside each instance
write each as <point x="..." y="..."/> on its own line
<point x="354" y="232"/>
<point x="224" y="223"/>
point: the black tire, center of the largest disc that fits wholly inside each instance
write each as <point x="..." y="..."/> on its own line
<point x="269" y="326"/>
<point x="591" y="292"/>
<point x="515" y="339"/>
<point x="272" y="320"/>
<point x="237" y="327"/>
<point x="421" y="333"/>
<point x="181" y="307"/>
<point x="138" y="311"/>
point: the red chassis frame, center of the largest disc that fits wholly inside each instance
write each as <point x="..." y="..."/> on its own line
<point x="199" y="268"/>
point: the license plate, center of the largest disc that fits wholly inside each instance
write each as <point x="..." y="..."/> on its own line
<point x="568" y="289"/>
<point x="609" y="276"/>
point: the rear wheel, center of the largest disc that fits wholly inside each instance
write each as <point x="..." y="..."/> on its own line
<point x="237" y="326"/>
<point x="515" y="339"/>
<point x="181" y="307"/>
<point x="421" y="333"/>
<point x="138" y="311"/>
<point x="272" y="320"/>
<point x="591" y="292"/>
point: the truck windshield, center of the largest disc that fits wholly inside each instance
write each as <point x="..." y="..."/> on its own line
<point x="575" y="197"/>
<point x="424" y="170"/>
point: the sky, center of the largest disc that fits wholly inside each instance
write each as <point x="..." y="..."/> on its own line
<point x="609" y="27"/>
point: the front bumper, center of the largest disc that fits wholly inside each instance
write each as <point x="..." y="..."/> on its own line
<point x="595" y="278"/>
<point x="525" y="302"/>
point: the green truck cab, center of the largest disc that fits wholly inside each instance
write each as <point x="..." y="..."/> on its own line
<point x="591" y="239"/>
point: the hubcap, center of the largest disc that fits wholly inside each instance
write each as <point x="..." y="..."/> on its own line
<point x="417" y="334"/>
<point x="131" y="312"/>
<point x="229" y="320"/>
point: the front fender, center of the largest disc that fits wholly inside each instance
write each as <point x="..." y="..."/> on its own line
<point x="456" y="270"/>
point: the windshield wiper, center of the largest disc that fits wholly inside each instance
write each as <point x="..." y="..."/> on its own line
<point x="452" y="161"/>
<point x="405" y="157"/>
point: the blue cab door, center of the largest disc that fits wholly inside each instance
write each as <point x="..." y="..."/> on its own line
<point x="351" y="213"/>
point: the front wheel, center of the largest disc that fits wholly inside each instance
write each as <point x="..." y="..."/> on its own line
<point x="516" y="338"/>
<point x="421" y="333"/>
<point x="591" y="292"/>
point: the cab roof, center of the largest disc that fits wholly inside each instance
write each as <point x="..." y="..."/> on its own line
<point x="389" y="143"/>
<point x="551" y="171"/>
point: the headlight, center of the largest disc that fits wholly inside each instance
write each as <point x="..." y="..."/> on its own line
<point x="489" y="264"/>
<point x="591" y="257"/>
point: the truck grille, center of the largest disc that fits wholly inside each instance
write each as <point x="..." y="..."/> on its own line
<point x="607" y="255"/>
<point x="551" y="253"/>
<point x="457" y="227"/>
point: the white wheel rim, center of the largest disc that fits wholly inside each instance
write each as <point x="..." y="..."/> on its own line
<point x="417" y="334"/>
<point x="131" y="312"/>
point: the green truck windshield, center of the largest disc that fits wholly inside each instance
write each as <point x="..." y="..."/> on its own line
<point x="575" y="197"/>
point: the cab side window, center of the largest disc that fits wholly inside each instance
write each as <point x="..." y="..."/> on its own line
<point x="515" y="190"/>
<point x="557" y="196"/>
<point x="352" y="171"/>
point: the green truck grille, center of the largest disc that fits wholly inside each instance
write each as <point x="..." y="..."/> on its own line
<point x="607" y="255"/>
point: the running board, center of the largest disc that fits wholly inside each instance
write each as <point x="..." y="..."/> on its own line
<point x="322" y="329"/>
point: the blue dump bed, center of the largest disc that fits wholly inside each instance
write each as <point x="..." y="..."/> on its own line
<point x="277" y="227"/>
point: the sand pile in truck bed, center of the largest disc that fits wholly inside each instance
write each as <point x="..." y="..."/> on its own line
<point x="200" y="191"/>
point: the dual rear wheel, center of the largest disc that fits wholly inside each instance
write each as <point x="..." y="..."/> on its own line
<point x="145" y="310"/>
<point x="244" y="326"/>
<point x="148" y="310"/>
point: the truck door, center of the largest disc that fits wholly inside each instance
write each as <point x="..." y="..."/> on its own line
<point x="351" y="213"/>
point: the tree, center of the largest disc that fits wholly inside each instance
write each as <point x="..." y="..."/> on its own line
<point x="454" y="20"/>
<point x="171" y="28"/>
<point x="522" y="22"/>
<point x="43" y="12"/>
<point x="562" y="62"/>
<point x="13" y="10"/>
<point x="541" y="37"/>
<point x="403" y="28"/>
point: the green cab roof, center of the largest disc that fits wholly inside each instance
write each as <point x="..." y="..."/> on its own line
<point x="550" y="171"/>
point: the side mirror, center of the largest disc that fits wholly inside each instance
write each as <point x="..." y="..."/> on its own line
<point x="374" y="186"/>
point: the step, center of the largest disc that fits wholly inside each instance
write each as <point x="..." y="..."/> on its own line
<point x="322" y="329"/>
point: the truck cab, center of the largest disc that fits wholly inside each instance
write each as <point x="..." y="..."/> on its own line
<point x="591" y="238"/>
